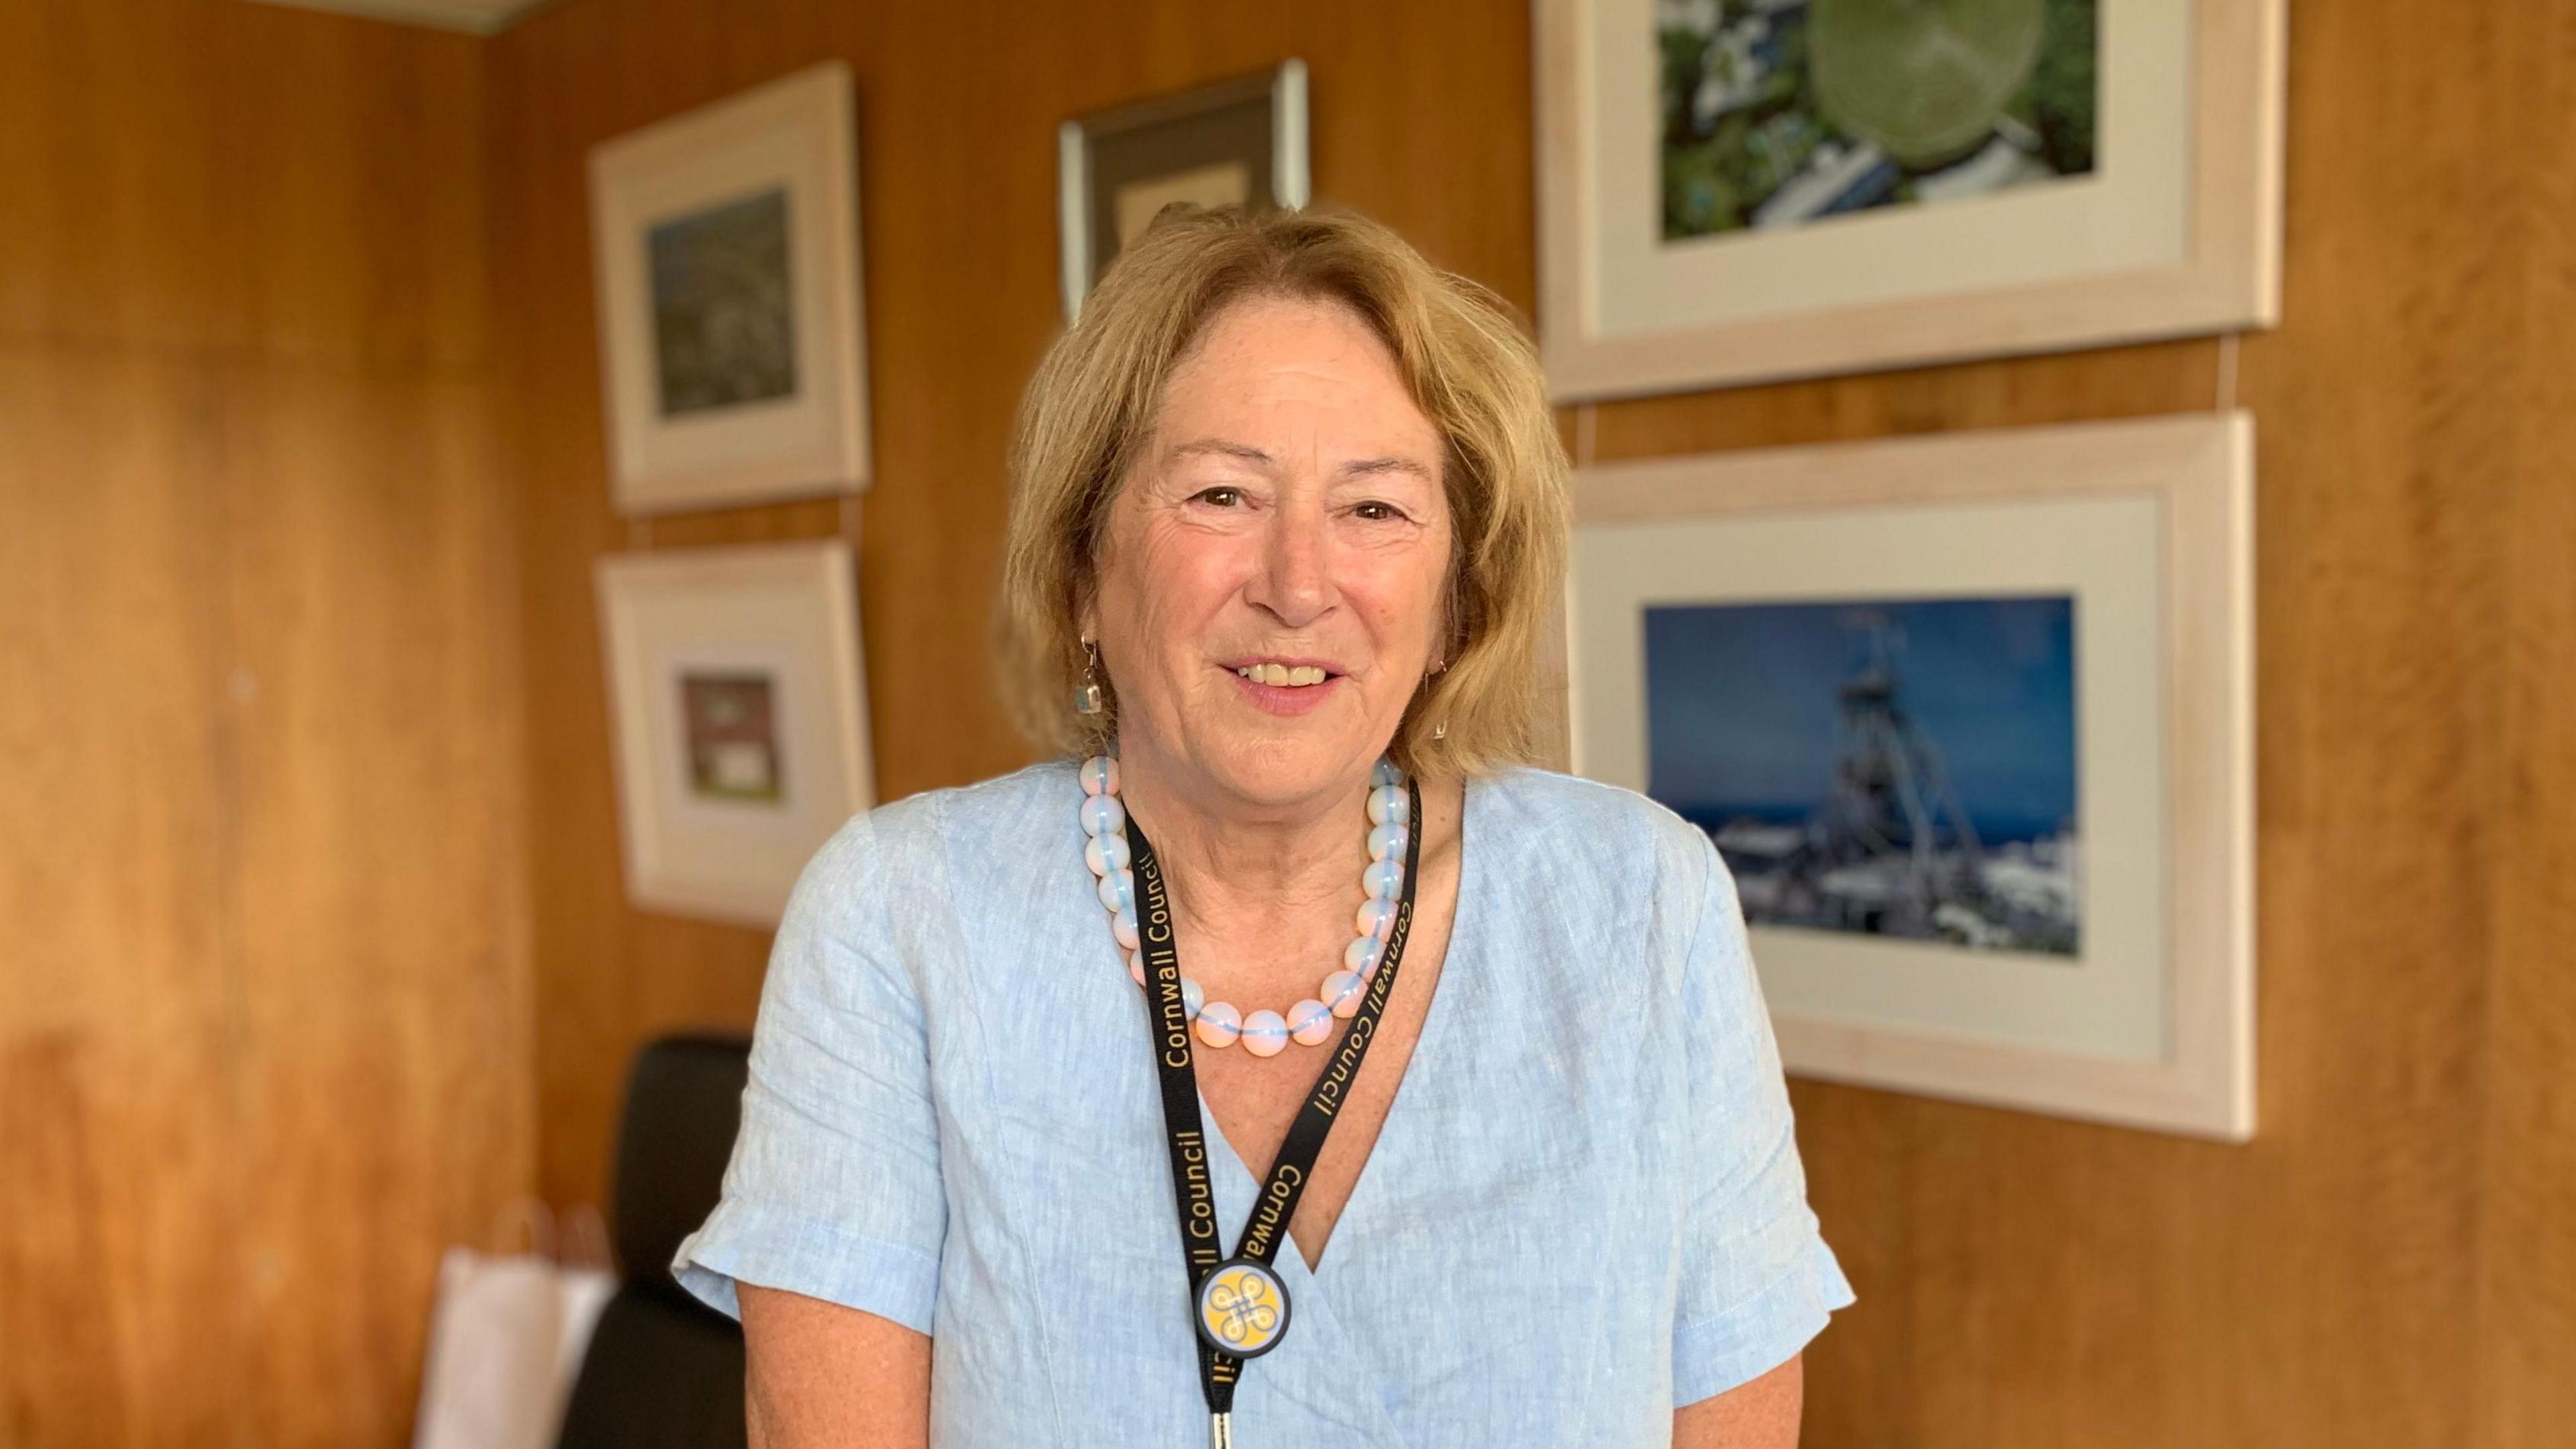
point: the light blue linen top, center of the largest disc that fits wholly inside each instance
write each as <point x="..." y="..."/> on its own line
<point x="1585" y="1207"/>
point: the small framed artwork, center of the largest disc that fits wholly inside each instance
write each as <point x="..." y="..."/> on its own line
<point x="1734" y="191"/>
<point x="725" y="251"/>
<point x="1969" y="719"/>
<point x="740" y="720"/>
<point x="1237" y="143"/>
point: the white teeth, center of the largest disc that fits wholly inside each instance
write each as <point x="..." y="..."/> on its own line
<point x="1282" y="674"/>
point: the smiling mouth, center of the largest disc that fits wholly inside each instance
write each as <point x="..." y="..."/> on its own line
<point x="1286" y="676"/>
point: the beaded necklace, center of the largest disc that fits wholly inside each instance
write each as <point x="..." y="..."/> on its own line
<point x="1216" y="1023"/>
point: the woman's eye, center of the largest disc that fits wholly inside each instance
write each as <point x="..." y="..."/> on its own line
<point x="1221" y="497"/>
<point x="1376" y="511"/>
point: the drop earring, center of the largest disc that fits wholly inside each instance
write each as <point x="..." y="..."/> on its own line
<point x="1086" y="700"/>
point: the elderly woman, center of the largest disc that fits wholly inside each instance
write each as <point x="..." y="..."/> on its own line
<point x="1288" y="1061"/>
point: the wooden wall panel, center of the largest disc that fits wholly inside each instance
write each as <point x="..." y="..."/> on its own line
<point x="384" y="1073"/>
<point x="120" y="1314"/>
<point x="264" y="996"/>
<point x="118" y="227"/>
<point x="2390" y="1262"/>
<point x="358" y="187"/>
<point x="2524" y="1392"/>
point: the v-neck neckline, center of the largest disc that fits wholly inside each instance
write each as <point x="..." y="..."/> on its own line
<point x="1434" y="1017"/>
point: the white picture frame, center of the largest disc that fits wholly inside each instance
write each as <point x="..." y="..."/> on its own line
<point x="1235" y="142"/>
<point x="739" y="719"/>
<point x="732" y="335"/>
<point x="2174" y="229"/>
<point x="2145" y="530"/>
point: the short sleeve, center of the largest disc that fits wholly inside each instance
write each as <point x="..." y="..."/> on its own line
<point x="1757" y="1281"/>
<point x="834" y="1188"/>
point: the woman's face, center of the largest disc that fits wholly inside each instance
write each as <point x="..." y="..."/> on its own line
<point x="1270" y="579"/>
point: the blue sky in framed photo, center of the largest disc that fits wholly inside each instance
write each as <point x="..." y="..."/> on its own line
<point x="1897" y="766"/>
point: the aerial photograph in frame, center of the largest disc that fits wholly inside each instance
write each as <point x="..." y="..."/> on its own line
<point x="1784" y="113"/>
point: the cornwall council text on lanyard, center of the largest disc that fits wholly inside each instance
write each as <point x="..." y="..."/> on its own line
<point x="1238" y="1304"/>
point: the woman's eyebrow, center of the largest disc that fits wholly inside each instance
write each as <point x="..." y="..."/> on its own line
<point x="1246" y="453"/>
<point x="1371" y="467"/>
<point x="1240" y="452"/>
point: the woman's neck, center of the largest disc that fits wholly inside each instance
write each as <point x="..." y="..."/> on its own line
<point x="1233" y="865"/>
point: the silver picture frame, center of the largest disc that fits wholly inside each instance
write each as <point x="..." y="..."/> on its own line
<point x="1240" y="141"/>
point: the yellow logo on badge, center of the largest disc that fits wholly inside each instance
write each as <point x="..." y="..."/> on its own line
<point x="1243" y="1309"/>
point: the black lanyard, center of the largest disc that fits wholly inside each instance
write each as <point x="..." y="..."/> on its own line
<point x="1271" y="1212"/>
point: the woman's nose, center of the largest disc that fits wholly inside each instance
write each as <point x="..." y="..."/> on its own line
<point x="1291" y="584"/>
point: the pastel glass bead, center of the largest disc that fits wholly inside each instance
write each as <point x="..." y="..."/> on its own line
<point x="1385" y="773"/>
<point x="1100" y="776"/>
<point x="1386" y="842"/>
<point x="1361" y="956"/>
<point x="1136" y="966"/>
<point x="1383" y="879"/>
<point x="1388" y="805"/>
<point x="1123" y="926"/>
<point x="1102" y="815"/>
<point x="1193" y="997"/>
<point x="1309" y="1022"/>
<point x="1376" y="917"/>
<point x="1105" y="853"/>
<point x="1118" y="890"/>
<point x="1219" y="1025"/>
<point x="1265" y="1033"/>
<point x="1342" y="993"/>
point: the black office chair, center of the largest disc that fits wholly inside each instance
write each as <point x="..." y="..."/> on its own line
<point x="664" y="1371"/>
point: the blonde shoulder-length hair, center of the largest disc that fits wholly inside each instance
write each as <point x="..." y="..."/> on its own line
<point x="1090" y="412"/>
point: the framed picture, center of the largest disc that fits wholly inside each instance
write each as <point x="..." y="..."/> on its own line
<point x="1739" y="190"/>
<point x="1970" y="720"/>
<point x="725" y="249"/>
<point x="740" y="720"/>
<point x="1237" y="143"/>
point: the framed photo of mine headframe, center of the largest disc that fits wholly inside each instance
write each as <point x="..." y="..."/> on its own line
<point x="725" y="252"/>
<point x="1239" y="142"/>
<point x="1969" y="719"/>
<point x="1732" y="191"/>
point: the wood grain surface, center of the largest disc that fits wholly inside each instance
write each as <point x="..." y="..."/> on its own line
<point x="264" y="991"/>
